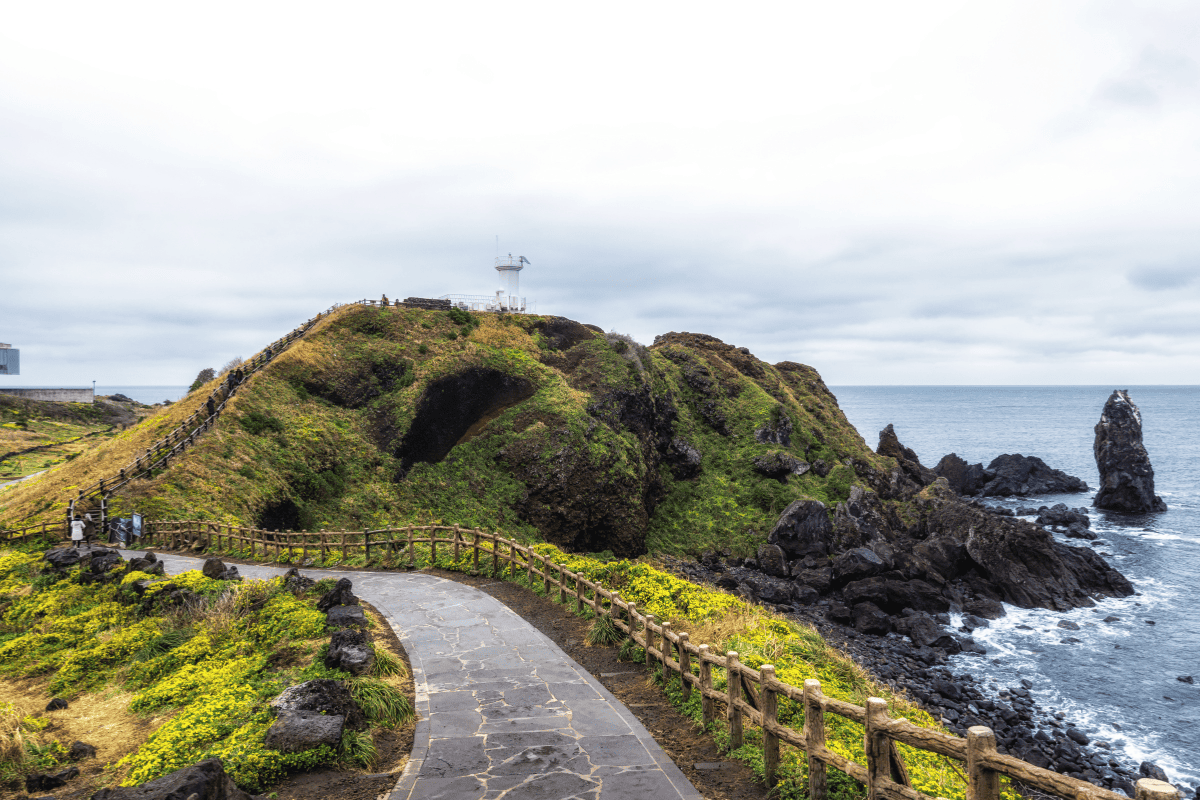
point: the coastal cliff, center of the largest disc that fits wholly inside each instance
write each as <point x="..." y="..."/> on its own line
<point x="552" y="429"/>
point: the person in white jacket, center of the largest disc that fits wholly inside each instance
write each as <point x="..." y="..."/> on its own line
<point x="76" y="531"/>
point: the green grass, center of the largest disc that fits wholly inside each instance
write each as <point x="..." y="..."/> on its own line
<point x="381" y="703"/>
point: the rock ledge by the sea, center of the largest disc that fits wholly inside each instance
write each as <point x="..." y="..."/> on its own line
<point x="1126" y="477"/>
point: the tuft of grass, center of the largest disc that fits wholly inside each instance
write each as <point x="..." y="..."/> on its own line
<point x="162" y="643"/>
<point x="603" y="632"/>
<point x="630" y="651"/>
<point x="382" y="704"/>
<point x="358" y="749"/>
<point x="12" y="741"/>
<point x="386" y="664"/>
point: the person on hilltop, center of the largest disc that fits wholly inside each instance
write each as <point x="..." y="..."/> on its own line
<point x="77" y="531"/>
<point x="89" y="528"/>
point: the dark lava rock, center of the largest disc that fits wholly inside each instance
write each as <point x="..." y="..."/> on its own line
<point x="1022" y="562"/>
<point x="804" y="595"/>
<point x="1021" y="476"/>
<point x="860" y="562"/>
<point x="62" y="557"/>
<point x="777" y="431"/>
<point x="339" y="595"/>
<point x="889" y="445"/>
<point x="778" y="464"/>
<point x="819" y="578"/>
<point x="862" y="520"/>
<point x="821" y="467"/>
<point x="1078" y="736"/>
<point x="345" y="617"/>
<point x="1077" y="531"/>
<point x="297" y="583"/>
<point x="1185" y="679"/>
<point x="1126" y="477"/>
<point x="40" y="782"/>
<point x="965" y="479"/>
<point x="766" y="589"/>
<point x="869" y="618"/>
<point x="1066" y="623"/>
<point x="1149" y="770"/>
<point x="215" y="569"/>
<point x="921" y="628"/>
<point x="57" y="704"/>
<point x="106" y="561"/>
<point x="82" y="750"/>
<point x="683" y="459"/>
<point x="323" y="696"/>
<point x="148" y="564"/>
<point x="803" y="529"/>
<point x="350" y="652"/>
<point x="295" y="731"/>
<point x="1058" y="514"/>
<point x="771" y="560"/>
<point x="205" y="780"/>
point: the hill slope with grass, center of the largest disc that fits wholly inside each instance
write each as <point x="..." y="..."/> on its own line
<point x="536" y="425"/>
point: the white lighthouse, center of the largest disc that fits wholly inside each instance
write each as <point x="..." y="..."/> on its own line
<point x="508" y="295"/>
<point x="505" y="300"/>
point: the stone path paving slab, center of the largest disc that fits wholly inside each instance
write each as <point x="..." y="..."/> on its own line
<point x="503" y="713"/>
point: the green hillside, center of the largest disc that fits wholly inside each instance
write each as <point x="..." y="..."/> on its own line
<point x="534" y="425"/>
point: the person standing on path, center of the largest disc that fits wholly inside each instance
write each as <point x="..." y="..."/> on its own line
<point x="76" y="531"/>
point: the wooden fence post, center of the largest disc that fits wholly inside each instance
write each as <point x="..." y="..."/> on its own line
<point x="545" y="575"/>
<point x="475" y="551"/>
<point x="343" y="547"/>
<point x="769" y="707"/>
<point x="685" y="666"/>
<point x="733" y="677"/>
<point x="578" y="593"/>
<point x="878" y="749"/>
<point x="412" y="550"/>
<point x="366" y="546"/>
<point x="562" y="584"/>
<point x="648" y="631"/>
<point x="529" y="567"/>
<point x="512" y="559"/>
<point x="433" y="545"/>
<point x="495" y="554"/>
<point x="1150" y="789"/>
<point x="982" y="783"/>
<point x="664" y="646"/>
<point x="814" y="739"/>
<point x="457" y="538"/>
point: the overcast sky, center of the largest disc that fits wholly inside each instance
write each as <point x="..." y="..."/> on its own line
<point x="894" y="193"/>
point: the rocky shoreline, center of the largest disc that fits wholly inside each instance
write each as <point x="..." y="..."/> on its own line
<point x="916" y="663"/>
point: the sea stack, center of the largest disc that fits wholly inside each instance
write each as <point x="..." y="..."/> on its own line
<point x="1126" y="477"/>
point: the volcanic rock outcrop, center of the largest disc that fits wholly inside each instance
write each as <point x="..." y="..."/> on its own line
<point x="1009" y="475"/>
<point x="1126" y="477"/>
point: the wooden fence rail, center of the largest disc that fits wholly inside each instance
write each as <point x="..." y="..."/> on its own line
<point x="751" y="696"/>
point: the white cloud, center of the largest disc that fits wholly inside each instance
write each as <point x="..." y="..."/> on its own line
<point x="894" y="193"/>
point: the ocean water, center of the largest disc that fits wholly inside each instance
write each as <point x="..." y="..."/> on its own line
<point x="1118" y="682"/>
<point x="145" y="394"/>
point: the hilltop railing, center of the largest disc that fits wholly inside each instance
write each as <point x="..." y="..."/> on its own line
<point x="751" y="696"/>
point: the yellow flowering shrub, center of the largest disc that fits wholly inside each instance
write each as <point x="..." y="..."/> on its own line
<point x="190" y="682"/>
<point x="15" y="570"/>
<point x="217" y="713"/>
<point x="207" y="659"/>
<point x="87" y="662"/>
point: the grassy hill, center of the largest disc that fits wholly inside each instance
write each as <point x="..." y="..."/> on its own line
<point x="535" y="425"/>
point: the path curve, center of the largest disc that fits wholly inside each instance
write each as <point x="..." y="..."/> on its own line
<point x="503" y="713"/>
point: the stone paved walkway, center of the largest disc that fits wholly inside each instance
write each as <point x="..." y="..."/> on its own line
<point x="504" y="714"/>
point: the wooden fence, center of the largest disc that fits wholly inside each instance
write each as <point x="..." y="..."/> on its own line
<point x="751" y="696"/>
